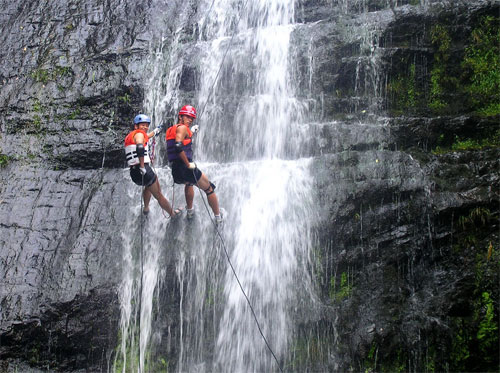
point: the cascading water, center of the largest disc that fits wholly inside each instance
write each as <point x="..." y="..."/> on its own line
<point x="270" y="210"/>
<point x="247" y="111"/>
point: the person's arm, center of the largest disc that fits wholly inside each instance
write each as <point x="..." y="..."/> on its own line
<point x="156" y="131"/>
<point x="139" y="142"/>
<point x="180" y="135"/>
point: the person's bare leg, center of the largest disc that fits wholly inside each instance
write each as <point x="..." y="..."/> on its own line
<point x="146" y="194"/>
<point x="189" y="194"/>
<point x="156" y="192"/>
<point x="213" y="201"/>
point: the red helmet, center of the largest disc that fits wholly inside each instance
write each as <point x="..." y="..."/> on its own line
<point x="188" y="110"/>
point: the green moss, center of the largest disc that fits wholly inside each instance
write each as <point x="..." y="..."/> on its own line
<point x="487" y="335"/>
<point x="37" y="106"/>
<point x="470" y="144"/>
<point x="344" y="290"/>
<point x="474" y="343"/>
<point x="44" y="75"/>
<point x="404" y="91"/>
<point x="124" y="99"/>
<point x="4" y="160"/>
<point x="74" y="114"/>
<point x="442" y="80"/>
<point x="37" y="122"/>
<point x="40" y="76"/>
<point x="457" y="82"/>
<point x="482" y="67"/>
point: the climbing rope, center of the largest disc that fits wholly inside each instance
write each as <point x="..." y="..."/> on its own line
<point x="208" y="211"/>
<point x="142" y="267"/>
<point x="236" y="276"/>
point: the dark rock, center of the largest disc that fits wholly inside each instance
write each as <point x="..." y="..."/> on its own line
<point x="400" y="259"/>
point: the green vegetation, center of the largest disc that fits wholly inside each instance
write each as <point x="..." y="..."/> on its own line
<point x="457" y="82"/>
<point x="44" y="76"/>
<point x="40" y="76"/>
<point x="487" y="335"/>
<point x="394" y="362"/>
<point x="475" y="336"/>
<point x="404" y="90"/>
<point x="470" y="144"/>
<point x="345" y="289"/>
<point x="475" y="339"/>
<point x="478" y="216"/>
<point x="482" y="67"/>
<point x="441" y="81"/>
<point x="131" y="360"/>
<point x="460" y="343"/>
<point x="124" y="99"/>
<point x="4" y="160"/>
<point x="37" y="122"/>
<point x="74" y="114"/>
<point x="469" y="341"/>
<point x="370" y="363"/>
<point x="306" y="351"/>
<point x="37" y="106"/>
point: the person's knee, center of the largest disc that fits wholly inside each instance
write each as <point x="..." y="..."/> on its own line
<point x="210" y="190"/>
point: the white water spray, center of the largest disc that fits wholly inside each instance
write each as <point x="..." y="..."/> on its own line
<point x="270" y="208"/>
<point x="251" y="109"/>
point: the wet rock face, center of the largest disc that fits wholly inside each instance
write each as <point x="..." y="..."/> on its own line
<point x="67" y="336"/>
<point x="402" y="251"/>
<point x="71" y="79"/>
<point x="60" y="267"/>
<point x="400" y="228"/>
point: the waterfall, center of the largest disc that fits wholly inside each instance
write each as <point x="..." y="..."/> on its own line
<point x="270" y="209"/>
<point x="248" y="110"/>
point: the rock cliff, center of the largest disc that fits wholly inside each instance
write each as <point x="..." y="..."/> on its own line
<point x="406" y="176"/>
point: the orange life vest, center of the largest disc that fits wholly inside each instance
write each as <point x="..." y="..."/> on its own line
<point x="131" y="148"/>
<point x="186" y="143"/>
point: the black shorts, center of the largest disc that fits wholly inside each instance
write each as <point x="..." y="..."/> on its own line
<point x="149" y="177"/>
<point x="183" y="175"/>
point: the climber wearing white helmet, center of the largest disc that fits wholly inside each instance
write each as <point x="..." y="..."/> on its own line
<point x="138" y="159"/>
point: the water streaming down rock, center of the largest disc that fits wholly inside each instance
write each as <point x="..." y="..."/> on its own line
<point x="395" y="268"/>
<point x="143" y="272"/>
<point x="251" y="120"/>
<point x="267" y="199"/>
<point x="253" y="102"/>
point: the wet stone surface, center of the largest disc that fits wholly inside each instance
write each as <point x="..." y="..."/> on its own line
<point x="72" y="76"/>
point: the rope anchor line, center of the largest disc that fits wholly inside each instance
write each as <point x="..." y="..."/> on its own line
<point x="237" y="279"/>
<point x="213" y="222"/>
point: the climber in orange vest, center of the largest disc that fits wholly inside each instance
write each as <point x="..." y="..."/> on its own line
<point x="138" y="159"/>
<point x="184" y="170"/>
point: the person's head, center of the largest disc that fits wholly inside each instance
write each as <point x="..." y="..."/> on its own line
<point x="187" y="114"/>
<point x="142" y="122"/>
